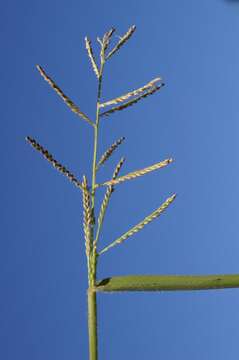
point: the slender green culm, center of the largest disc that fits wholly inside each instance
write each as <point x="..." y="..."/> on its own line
<point x="93" y="220"/>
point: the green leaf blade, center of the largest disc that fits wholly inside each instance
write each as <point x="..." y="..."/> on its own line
<point x="167" y="282"/>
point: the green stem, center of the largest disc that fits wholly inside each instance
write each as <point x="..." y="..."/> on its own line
<point x="92" y="261"/>
<point x="96" y="132"/>
<point x="167" y="282"/>
<point x="92" y="324"/>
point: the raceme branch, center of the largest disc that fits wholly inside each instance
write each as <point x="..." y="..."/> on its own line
<point x="65" y="98"/>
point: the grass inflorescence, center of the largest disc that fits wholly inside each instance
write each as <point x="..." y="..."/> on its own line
<point x="92" y="222"/>
<point x="92" y="227"/>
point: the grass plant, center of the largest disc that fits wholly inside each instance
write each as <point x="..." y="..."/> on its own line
<point x="92" y="222"/>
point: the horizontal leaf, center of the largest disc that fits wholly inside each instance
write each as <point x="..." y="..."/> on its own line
<point x="167" y="282"/>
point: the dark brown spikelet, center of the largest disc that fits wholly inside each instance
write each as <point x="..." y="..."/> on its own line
<point x="109" y="152"/>
<point x="62" y="169"/>
<point x="122" y="41"/>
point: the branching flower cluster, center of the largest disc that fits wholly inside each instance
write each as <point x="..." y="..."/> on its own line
<point x="92" y="222"/>
<point x="92" y="228"/>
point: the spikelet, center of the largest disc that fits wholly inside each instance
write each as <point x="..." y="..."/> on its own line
<point x="106" y="199"/>
<point x="106" y="39"/>
<point x="87" y="216"/>
<point x="122" y="41"/>
<point x="136" y="92"/>
<point x="91" y="56"/>
<point x="104" y="43"/>
<point x="137" y="173"/>
<point x="109" y="152"/>
<point x="62" y="169"/>
<point x="118" y="168"/>
<point x="65" y="98"/>
<point x="133" y="101"/>
<point x="140" y="225"/>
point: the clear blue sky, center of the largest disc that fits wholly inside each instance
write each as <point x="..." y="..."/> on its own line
<point x="193" y="45"/>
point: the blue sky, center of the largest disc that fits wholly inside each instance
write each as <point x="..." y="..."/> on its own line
<point x="193" y="45"/>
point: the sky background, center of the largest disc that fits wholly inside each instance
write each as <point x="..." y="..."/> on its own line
<point x="193" y="46"/>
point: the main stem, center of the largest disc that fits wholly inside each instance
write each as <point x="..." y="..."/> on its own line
<point x="92" y="301"/>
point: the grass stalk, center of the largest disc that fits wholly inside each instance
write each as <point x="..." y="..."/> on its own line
<point x="92" y="301"/>
<point x="92" y="325"/>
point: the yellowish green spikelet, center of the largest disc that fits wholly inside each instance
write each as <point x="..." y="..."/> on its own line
<point x="87" y="222"/>
<point x="54" y="162"/>
<point x="109" y="152"/>
<point x="91" y="56"/>
<point x="122" y="41"/>
<point x="134" y="101"/>
<point x="118" y="168"/>
<point x="141" y="225"/>
<point x="65" y="98"/>
<point x="106" y="198"/>
<point x="138" y="173"/>
<point x="139" y="91"/>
